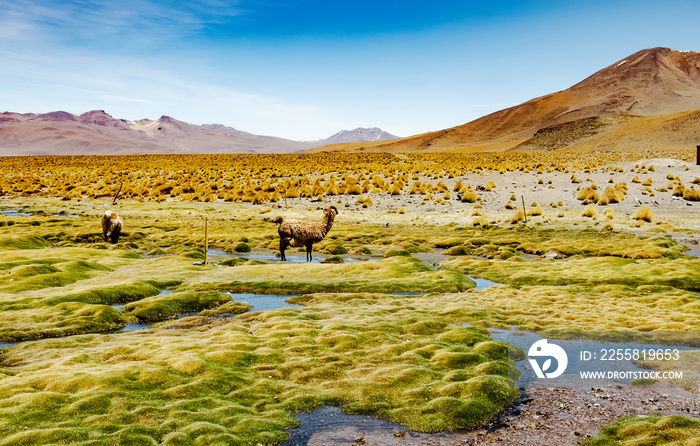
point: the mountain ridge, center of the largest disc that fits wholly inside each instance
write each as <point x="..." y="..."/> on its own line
<point x="97" y="133"/>
<point x="652" y="82"/>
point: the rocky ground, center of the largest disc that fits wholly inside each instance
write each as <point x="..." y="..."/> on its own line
<point x="542" y="416"/>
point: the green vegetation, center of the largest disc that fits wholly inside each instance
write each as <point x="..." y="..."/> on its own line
<point x="649" y="431"/>
<point x="243" y="378"/>
<point x="392" y="275"/>
<point x="215" y="379"/>
<point x="27" y="242"/>
<point x="678" y="273"/>
<point x="158" y="308"/>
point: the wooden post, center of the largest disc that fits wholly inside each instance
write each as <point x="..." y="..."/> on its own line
<point x="698" y="158"/>
<point x="120" y="189"/>
<point x="524" y="210"/>
<point x="206" y="241"/>
<point x="285" y="198"/>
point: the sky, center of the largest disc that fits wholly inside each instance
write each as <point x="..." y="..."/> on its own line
<point x="306" y="69"/>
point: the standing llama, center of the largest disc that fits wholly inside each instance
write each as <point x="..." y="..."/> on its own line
<point x="305" y="232"/>
<point x="111" y="226"/>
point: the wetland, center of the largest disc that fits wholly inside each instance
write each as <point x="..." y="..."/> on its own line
<point x="419" y="325"/>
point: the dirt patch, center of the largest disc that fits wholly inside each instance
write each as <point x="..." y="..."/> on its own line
<point x="543" y="416"/>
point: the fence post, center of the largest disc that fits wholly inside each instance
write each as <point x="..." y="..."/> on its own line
<point x="206" y="241"/>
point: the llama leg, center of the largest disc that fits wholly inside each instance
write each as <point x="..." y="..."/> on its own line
<point x="283" y="246"/>
<point x="116" y="232"/>
<point x="309" y="257"/>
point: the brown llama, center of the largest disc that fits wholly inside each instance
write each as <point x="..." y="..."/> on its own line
<point x="111" y="226"/>
<point x="305" y="232"/>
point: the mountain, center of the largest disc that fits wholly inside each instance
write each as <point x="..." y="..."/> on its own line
<point x="651" y="82"/>
<point x="360" y="134"/>
<point x="98" y="133"/>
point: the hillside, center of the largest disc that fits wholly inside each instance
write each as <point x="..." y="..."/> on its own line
<point x="98" y="133"/>
<point x="652" y="82"/>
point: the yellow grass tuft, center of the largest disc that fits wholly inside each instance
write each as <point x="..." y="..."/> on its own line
<point x="611" y="195"/>
<point x="590" y="211"/>
<point x="589" y="195"/>
<point x="519" y="216"/>
<point x="691" y="195"/>
<point x="537" y="211"/>
<point x="679" y="190"/>
<point x="644" y="214"/>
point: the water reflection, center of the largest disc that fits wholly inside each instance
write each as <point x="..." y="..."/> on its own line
<point x="264" y="302"/>
<point x="293" y="258"/>
<point x="13" y="213"/>
<point x="482" y="284"/>
<point x="335" y="427"/>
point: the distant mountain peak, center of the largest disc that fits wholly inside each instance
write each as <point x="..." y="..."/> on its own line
<point x="360" y="134"/>
<point x="101" y="117"/>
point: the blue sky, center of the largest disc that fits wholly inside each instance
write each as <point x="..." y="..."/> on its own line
<point x="305" y="69"/>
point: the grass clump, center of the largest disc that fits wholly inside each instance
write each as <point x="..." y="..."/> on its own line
<point x="397" y="252"/>
<point x="158" y="308"/>
<point x="64" y="319"/>
<point x="589" y="195"/>
<point x="111" y="295"/>
<point x="691" y="195"/>
<point x="231" y="307"/>
<point x="242" y="247"/>
<point x="335" y="249"/>
<point x="390" y="275"/>
<point x="612" y="195"/>
<point x="333" y="259"/>
<point x="644" y="214"/>
<point x="652" y="431"/>
<point x="518" y="217"/>
<point x="590" y="212"/>
<point x="24" y="242"/>
<point x="59" y="274"/>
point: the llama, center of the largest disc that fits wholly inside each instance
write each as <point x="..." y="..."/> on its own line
<point x="111" y="226"/>
<point x="305" y="232"/>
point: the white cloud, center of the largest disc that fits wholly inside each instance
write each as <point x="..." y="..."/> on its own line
<point x="120" y="22"/>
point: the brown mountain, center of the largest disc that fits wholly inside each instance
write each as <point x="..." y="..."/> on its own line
<point x="652" y="82"/>
<point x="98" y="133"/>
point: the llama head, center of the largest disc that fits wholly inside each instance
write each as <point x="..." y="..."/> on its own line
<point x="332" y="210"/>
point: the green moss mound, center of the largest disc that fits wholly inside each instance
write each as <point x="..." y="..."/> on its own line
<point x="25" y="242"/>
<point x="651" y="431"/>
<point x="161" y="307"/>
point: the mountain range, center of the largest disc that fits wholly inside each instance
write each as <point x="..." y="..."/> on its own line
<point x="648" y="100"/>
<point x="98" y="133"/>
